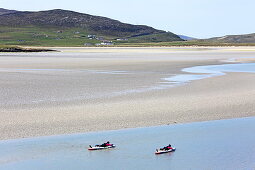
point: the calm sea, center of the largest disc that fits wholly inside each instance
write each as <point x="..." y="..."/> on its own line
<point x="213" y="145"/>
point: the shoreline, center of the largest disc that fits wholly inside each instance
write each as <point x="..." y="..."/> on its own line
<point x="202" y="100"/>
<point x="170" y="46"/>
<point x="124" y="129"/>
<point x="17" y="49"/>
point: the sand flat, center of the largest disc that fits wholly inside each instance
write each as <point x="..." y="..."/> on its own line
<point x="84" y="89"/>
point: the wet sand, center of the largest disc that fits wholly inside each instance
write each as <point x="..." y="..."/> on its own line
<point x="93" y="89"/>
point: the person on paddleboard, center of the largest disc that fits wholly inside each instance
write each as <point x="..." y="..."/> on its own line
<point x="168" y="147"/>
<point x="106" y="144"/>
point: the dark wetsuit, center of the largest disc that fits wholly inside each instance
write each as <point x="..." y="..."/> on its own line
<point x="103" y="145"/>
<point x="167" y="148"/>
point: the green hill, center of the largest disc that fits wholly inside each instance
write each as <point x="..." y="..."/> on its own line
<point x="245" y="38"/>
<point x="67" y="28"/>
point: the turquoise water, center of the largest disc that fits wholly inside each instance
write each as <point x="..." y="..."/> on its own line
<point x="224" y="144"/>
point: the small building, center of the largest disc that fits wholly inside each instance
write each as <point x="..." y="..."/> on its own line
<point x="92" y="36"/>
<point x="122" y="39"/>
<point x="105" y="44"/>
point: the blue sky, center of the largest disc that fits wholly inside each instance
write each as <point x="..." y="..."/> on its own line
<point x="197" y="18"/>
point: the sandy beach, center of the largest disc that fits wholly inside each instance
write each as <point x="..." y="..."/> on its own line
<point x="92" y="89"/>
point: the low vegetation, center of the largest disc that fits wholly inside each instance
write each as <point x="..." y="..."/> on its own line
<point x="66" y="37"/>
<point x="69" y="28"/>
<point x="44" y="36"/>
<point x="6" y="48"/>
<point x="183" y="44"/>
<point x="75" y="37"/>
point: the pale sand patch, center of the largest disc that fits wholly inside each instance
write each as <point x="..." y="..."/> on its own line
<point x="246" y="60"/>
<point x="223" y="97"/>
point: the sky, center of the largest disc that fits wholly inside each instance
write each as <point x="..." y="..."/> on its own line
<point x="195" y="18"/>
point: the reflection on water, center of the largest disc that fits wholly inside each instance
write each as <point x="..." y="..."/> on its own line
<point x="224" y="144"/>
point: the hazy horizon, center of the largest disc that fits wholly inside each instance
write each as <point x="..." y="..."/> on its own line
<point x="196" y="18"/>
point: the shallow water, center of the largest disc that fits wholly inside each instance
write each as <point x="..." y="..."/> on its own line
<point x="71" y="85"/>
<point x="202" y="72"/>
<point x="224" y="144"/>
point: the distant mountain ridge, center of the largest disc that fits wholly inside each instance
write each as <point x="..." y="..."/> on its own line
<point x="245" y="38"/>
<point x="187" y="38"/>
<point x="70" y="19"/>
<point x="6" y="11"/>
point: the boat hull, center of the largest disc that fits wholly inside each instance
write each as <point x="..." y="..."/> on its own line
<point x="164" y="151"/>
<point x="101" y="148"/>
